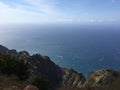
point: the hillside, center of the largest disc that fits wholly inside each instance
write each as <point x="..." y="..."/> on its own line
<point x="42" y="70"/>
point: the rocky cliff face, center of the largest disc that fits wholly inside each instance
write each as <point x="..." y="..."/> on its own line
<point x="3" y="49"/>
<point x="102" y="78"/>
<point x="43" y="66"/>
<point x="72" y="78"/>
<point x="57" y="76"/>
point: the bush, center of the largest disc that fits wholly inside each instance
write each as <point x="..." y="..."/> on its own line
<point x="11" y="65"/>
<point x="40" y="82"/>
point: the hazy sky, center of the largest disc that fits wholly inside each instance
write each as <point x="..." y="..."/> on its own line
<point x="55" y="11"/>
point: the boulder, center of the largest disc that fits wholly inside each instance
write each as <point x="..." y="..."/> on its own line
<point x="31" y="87"/>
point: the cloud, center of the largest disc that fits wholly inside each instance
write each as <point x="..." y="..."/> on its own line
<point x="30" y="11"/>
<point x="39" y="11"/>
<point x="42" y="6"/>
<point x="8" y="14"/>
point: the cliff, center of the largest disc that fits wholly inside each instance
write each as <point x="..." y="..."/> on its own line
<point x="102" y="78"/>
<point x="72" y="78"/>
<point x="62" y="77"/>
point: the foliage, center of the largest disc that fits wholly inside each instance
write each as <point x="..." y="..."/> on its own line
<point x="11" y="65"/>
<point x="40" y="82"/>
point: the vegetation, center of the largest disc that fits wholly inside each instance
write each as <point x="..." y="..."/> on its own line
<point x="40" y="82"/>
<point x="10" y="65"/>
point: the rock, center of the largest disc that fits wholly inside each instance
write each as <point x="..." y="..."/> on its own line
<point x="72" y="78"/>
<point x="23" y="55"/>
<point x="3" y="49"/>
<point x="31" y="87"/>
<point x="13" y="51"/>
<point x="102" y="78"/>
<point x="43" y="66"/>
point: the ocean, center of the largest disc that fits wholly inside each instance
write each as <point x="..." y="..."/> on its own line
<point x="84" y="48"/>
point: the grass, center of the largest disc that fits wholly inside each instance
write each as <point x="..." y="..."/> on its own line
<point x="11" y="83"/>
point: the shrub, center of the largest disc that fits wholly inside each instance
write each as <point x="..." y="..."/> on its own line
<point x="11" y="65"/>
<point x="40" y="82"/>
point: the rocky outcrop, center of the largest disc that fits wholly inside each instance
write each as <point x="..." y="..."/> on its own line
<point x="72" y="78"/>
<point x="3" y="49"/>
<point x="43" y="66"/>
<point x="102" y="78"/>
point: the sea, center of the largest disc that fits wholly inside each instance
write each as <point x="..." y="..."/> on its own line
<point x="85" y="48"/>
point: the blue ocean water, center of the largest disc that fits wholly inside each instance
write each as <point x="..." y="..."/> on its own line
<point x="84" y="48"/>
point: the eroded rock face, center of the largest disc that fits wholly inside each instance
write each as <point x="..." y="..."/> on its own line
<point x="31" y="87"/>
<point x="72" y="78"/>
<point x="102" y="78"/>
<point x="43" y="66"/>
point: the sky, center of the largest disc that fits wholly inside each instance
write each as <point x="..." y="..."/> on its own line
<point x="59" y="11"/>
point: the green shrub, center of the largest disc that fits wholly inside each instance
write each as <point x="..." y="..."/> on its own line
<point x="40" y="82"/>
<point x="11" y="65"/>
